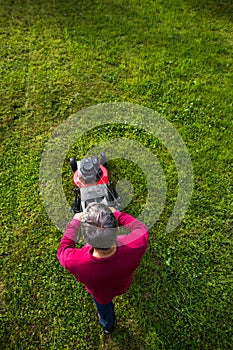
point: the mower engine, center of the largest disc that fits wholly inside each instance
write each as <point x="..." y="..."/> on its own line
<point x="92" y="183"/>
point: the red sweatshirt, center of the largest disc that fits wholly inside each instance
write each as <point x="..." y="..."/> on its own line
<point x="104" y="278"/>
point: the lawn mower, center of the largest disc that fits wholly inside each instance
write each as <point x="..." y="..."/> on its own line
<point x="92" y="183"/>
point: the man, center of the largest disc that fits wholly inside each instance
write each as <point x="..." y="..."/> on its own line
<point x="106" y="264"/>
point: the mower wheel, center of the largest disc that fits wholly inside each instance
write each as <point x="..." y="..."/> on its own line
<point x="73" y="164"/>
<point x="77" y="207"/>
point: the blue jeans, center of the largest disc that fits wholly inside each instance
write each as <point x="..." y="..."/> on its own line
<point x="106" y="315"/>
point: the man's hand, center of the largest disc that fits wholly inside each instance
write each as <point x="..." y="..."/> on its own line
<point x="112" y="209"/>
<point x="78" y="216"/>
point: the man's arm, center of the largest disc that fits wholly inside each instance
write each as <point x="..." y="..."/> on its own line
<point x="137" y="229"/>
<point x="67" y="244"/>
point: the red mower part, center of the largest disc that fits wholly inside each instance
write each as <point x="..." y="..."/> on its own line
<point x="103" y="179"/>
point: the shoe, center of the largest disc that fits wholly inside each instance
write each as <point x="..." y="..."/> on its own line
<point x="109" y="332"/>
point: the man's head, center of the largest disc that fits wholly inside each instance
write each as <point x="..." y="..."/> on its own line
<point x="99" y="226"/>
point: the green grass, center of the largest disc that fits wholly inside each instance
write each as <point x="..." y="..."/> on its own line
<point x="58" y="57"/>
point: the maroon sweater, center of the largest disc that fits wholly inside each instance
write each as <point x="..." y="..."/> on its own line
<point x="104" y="278"/>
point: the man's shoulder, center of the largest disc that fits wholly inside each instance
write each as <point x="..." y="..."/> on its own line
<point x="133" y="240"/>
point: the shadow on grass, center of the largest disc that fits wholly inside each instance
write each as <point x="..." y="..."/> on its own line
<point x="73" y="8"/>
<point x="123" y="339"/>
<point x="218" y="9"/>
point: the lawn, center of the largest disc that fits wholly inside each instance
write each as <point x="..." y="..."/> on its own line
<point x="174" y="57"/>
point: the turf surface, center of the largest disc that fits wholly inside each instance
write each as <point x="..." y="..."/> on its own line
<point x="58" y="57"/>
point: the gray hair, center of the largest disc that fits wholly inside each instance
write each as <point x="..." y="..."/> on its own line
<point x="99" y="226"/>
